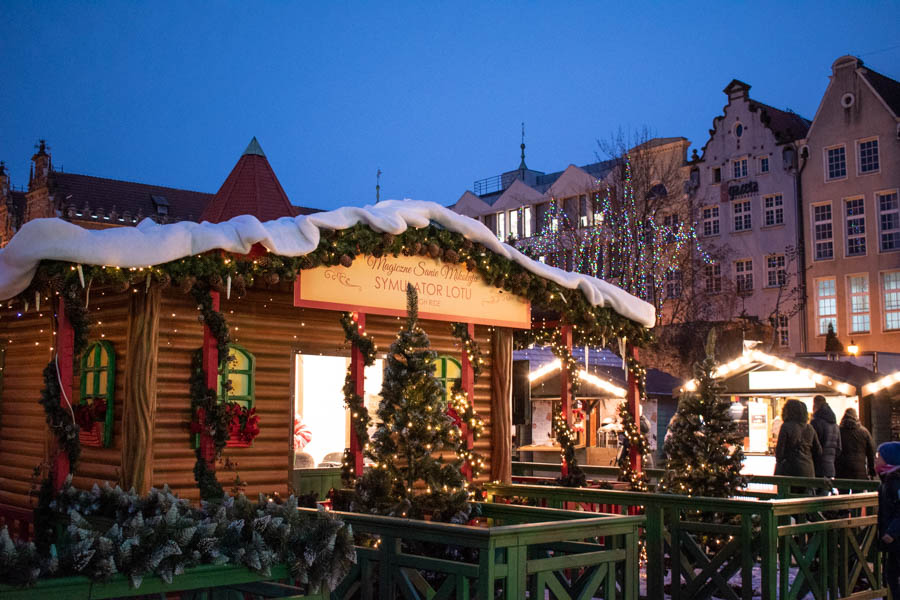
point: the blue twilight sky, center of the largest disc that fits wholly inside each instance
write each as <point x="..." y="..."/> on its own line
<point x="433" y="93"/>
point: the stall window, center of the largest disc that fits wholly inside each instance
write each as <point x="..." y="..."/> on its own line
<point x="239" y="369"/>
<point x="98" y="385"/>
<point x="448" y="371"/>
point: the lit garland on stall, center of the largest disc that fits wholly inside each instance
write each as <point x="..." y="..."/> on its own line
<point x="634" y="437"/>
<point x="359" y="414"/>
<point x="567" y="438"/>
<point x="463" y="406"/>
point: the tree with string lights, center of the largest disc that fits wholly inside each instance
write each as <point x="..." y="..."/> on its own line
<point x="705" y="447"/>
<point x="408" y="477"/>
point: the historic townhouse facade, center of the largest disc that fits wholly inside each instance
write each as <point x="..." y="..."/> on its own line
<point x="747" y="206"/>
<point x="850" y="165"/>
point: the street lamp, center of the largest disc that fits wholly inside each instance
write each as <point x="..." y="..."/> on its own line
<point x="853" y="348"/>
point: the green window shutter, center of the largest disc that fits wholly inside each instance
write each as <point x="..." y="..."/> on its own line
<point x="240" y="370"/>
<point x="98" y="382"/>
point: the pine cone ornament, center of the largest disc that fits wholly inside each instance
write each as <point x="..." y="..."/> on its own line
<point x="238" y="285"/>
<point x="451" y="256"/>
<point x="470" y="264"/>
<point x="467" y="244"/>
<point x="187" y="284"/>
<point x="387" y="239"/>
<point x="434" y="250"/>
<point x="272" y="278"/>
<point x="56" y="282"/>
<point x="417" y="248"/>
<point x="165" y="281"/>
<point x="264" y="261"/>
<point x="216" y="283"/>
<point x="346" y="260"/>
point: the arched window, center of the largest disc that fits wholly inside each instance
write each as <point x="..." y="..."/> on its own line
<point x="98" y="387"/>
<point x="240" y="370"/>
<point x="448" y="371"/>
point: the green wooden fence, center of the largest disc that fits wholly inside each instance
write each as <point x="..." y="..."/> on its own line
<point x="569" y="554"/>
<point x="823" y="545"/>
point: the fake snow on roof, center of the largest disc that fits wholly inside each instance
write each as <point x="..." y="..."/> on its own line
<point x="151" y="244"/>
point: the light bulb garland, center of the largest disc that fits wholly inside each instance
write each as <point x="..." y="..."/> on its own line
<point x="463" y="406"/>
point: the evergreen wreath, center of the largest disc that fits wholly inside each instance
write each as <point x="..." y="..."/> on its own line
<point x="359" y="414"/>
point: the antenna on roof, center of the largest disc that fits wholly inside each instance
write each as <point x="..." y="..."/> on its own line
<point x="378" y="186"/>
<point x="522" y="166"/>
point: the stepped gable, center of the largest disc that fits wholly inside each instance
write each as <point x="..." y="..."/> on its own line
<point x="250" y="189"/>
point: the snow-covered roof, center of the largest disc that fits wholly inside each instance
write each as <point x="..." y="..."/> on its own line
<point x="151" y="244"/>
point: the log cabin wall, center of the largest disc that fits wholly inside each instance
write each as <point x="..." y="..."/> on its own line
<point x="24" y="435"/>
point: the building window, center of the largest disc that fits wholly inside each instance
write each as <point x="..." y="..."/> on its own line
<point x="823" y="232"/>
<point x="739" y="168"/>
<point x="673" y="284"/>
<point x="775" y="273"/>
<point x="859" y="303"/>
<point x="743" y="275"/>
<point x="98" y="387"/>
<point x="710" y="220"/>
<point x="891" y="282"/>
<point x="783" y="330"/>
<point x="713" y="274"/>
<point x="856" y="226"/>
<point x="889" y="220"/>
<point x="738" y="130"/>
<point x="584" y="211"/>
<point x="836" y="162"/>
<point x="717" y="175"/>
<point x="514" y="224"/>
<point x="774" y="209"/>
<point x="763" y="164"/>
<point x="742" y="219"/>
<point x="236" y="377"/>
<point x="671" y="224"/>
<point x="868" y="156"/>
<point x="448" y="371"/>
<point x="501" y="226"/>
<point x="826" y="304"/>
<point x="527" y="220"/>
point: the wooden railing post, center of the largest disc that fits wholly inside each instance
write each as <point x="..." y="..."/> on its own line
<point x="655" y="537"/>
<point x="468" y="388"/>
<point x="211" y="361"/>
<point x="65" y="359"/>
<point x="768" y="551"/>
<point x="565" y="386"/>
<point x="358" y="370"/>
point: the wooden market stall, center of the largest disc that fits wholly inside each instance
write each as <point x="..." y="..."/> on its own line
<point x="124" y="332"/>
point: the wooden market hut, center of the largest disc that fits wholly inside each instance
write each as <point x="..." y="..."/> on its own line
<point x="148" y="300"/>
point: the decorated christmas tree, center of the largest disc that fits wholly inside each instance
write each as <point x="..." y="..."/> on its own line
<point x="408" y="476"/>
<point x="705" y="447"/>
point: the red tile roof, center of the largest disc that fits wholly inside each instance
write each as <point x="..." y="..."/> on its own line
<point x="251" y="189"/>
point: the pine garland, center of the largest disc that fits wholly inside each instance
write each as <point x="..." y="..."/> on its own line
<point x="463" y="406"/>
<point x="470" y="346"/>
<point x="566" y="439"/>
<point x="633" y="437"/>
<point x="106" y="531"/>
<point x="359" y="414"/>
<point x="552" y="337"/>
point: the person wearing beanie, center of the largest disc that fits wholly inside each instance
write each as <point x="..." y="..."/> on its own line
<point x="857" y="458"/>
<point x="887" y="465"/>
<point x="798" y="448"/>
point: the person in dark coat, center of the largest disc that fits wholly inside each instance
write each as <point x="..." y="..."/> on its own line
<point x="825" y="424"/>
<point x="798" y="448"/>
<point x="887" y="465"/>
<point x="857" y="458"/>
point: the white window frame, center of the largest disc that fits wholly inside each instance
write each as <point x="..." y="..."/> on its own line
<point x="860" y="202"/>
<point x="895" y="211"/>
<point x="859" y="161"/>
<point x="514" y="223"/>
<point x="584" y="211"/>
<point x="713" y="278"/>
<point x="863" y="311"/>
<point x="891" y="309"/>
<point x="822" y="319"/>
<point x="673" y="284"/>
<point x="743" y="272"/>
<point x="783" y="330"/>
<point x="776" y="274"/>
<point x="712" y="220"/>
<point x="776" y="210"/>
<point x="830" y="223"/>
<point x="740" y="167"/>
<point x="827" y="172"/>
<point x="500" y="219"/>
<point x="760" y="164"/>
<point x="745" y="216"/>
<point x="528" y="220"/>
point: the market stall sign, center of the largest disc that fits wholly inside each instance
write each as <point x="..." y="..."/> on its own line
<point x="447" y="292"/>
<point x="779" y="380"/>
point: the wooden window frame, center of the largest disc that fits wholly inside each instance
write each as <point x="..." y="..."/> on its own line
<point x="95" y="351"/>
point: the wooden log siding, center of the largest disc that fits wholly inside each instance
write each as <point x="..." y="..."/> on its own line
<point x="23" y="431"/>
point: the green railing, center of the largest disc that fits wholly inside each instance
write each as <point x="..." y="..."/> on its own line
<point x="704" y="547"/>
<point x="318" y="480"/>
<point x="516" y="550"/>
<point x="196" y="582"/>
<point x="758" y="486"/>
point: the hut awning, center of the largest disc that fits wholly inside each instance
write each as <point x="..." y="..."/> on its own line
<point x="151" y="244"/>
